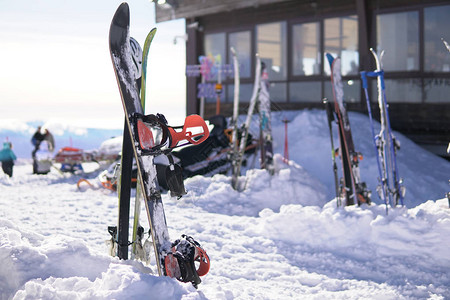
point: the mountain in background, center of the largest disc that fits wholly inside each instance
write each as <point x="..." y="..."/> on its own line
<point x="20" y="133"/>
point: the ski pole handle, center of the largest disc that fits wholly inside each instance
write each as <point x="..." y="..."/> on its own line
<point x="380" y="74"/>
<point x="364" y="79"/>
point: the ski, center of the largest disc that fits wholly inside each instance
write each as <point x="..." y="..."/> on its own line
<point x="151" y="136"/>
<point x="331" y="119"/>
<point x="351" y="189"/>
<point x="390" y="189"/>
<point x="234" y="120"/>
<point x="265" y="124"/>
<point x="446" y="44"/>
<point x="237" y="162"/>
<point x="137" y="235"/>
<point x="147" y="43"/>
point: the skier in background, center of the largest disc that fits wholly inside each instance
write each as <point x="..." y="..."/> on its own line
<point x="36" y="140"/>
<point x="47" y="141"/>
<point x="7" y="158"/>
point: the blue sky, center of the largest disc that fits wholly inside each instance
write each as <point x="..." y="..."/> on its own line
<point x="55" y="62"/>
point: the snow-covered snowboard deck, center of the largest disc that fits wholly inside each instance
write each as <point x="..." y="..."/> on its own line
<point x="120" y="55"/>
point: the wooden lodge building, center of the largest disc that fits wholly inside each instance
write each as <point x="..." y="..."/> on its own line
<point x="292" y="37"/>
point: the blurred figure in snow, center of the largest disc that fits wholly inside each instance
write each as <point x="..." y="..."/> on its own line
<point x="44" y="144"/>
<point x="36" y="140"/>
<point x="7" y="158"/>
<point x="50" y="140"/>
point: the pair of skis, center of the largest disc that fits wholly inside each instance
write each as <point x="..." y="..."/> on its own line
<point x="349" y="188"/>
<point x="390" y="188"/>
<point x="144" y="138"/>
<point x="261" y="96"/>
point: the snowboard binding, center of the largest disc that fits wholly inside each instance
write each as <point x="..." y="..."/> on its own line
<point x="181" y="262"/>
<point x="155" y="137"/>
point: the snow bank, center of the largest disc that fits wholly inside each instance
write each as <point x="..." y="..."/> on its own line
<point x="425" y="175"/>
<point x="367" y="233"/>
<point x="291" y="182"/>
<point x="60" y="267"/>
<point x="281" y="238"/>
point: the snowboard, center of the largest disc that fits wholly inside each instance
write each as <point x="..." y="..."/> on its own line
<point x="352" y="190"/>
<point x="150" y="136"/>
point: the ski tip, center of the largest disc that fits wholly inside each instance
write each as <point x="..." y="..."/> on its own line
<point x="152" y="33"/>
<point x="149" y="39"/>
<point x="330" y="58"/>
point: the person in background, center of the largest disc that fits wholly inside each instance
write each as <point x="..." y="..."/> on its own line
<point x="7" y="158"/>
<point x="36" y="140"/>
<point x="50" y="140"/>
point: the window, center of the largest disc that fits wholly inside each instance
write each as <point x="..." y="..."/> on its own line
<point x="215" y="44"/>
<point x="277" y="91"/>
<point x="341" y="39"/>
<point x="245" y="92"/>
<point x="271" y="46"/>
<point x="305" y="91"/>
<point x="398" y="35"/>
<point x="437" y="90"/>
<point x="241" y="42"/>
<point x="436" y="26"/>
<point x="403" y="90"/>
<point x="306" y="49"/>
<point x="215" y="50"/>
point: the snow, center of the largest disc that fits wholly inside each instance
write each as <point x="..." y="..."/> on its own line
<point x="281" y="238"/>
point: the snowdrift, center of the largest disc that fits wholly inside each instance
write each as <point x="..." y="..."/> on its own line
<point x="282" y="238"/>
<point x="60" y="267"/>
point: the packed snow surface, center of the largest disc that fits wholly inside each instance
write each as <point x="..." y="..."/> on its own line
<point x="281" y="238"/>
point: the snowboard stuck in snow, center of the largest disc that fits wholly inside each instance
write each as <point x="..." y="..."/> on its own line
<point x="150" y="136"/>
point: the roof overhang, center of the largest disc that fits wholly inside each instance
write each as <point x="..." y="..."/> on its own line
<point x="166" y="10"/>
